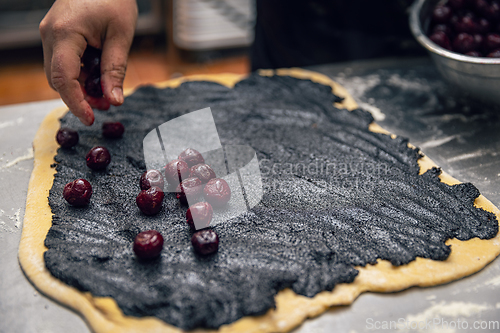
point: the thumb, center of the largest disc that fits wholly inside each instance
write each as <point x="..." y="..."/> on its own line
<point x="113" y="66"/>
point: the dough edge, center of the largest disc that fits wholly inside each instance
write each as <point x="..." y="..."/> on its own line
<point x="102" y="313"/>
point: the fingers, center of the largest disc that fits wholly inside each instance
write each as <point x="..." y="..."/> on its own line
<point x="114" y="65"/>
<point x="64" y="73"/>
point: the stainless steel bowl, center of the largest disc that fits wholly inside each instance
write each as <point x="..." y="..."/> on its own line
<point x="480" y="77"/>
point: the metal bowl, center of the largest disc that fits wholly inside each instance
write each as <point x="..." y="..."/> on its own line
<point x="480" y="77"/>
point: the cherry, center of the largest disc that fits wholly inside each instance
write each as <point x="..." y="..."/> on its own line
<point x="492" y="41"/>
<point x="494" y="54"/>
<point x="151" y="178"/>
<point x="478" y="40"/>
<point x="91" y="60"/>
<point x="199" y="215"/>
<point x="203" y="172"/>
<point x="98" y="158"/>
<point x="148" y="244"/>
<point x="78" y="192"/>
<point x="93" y="86"/>
<point x="205" y="241"/>
<point x="150" y="201"/>
<point x="191" y="157"/>
<point x="176" y="171"/>
<point x="441" y="39"/>
<point x="481" y="6"/>
<point x="91" y="66"/>
<point x="113" y="130"/>
<point x="217" y="192"/>
<point x="493" y="11"/>
<point x="67" y="137"/>
<point x="457" y="4"/>
<point x="444" y="28"/>
<point x="466" y="23"/>
<point x="474" y="54"/>
<point x="483" y="26"/>
<point x="189" y="190"/>
<point x="441" y="14"/>
<point x="464" y="43"/>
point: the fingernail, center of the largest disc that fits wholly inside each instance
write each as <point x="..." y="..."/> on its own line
<point x="117" y="95"/>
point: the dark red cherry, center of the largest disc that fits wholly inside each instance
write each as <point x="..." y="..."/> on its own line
<point x="67" y="138"/>
<point x="441" y="14"/>
<point x="441" y="39"/>
<point x="493" y="11"/>
<point x="478" y="41"/>
<point x="78" y="192"/>
<point x="464" y="43"/>
<point x="148" y="244"/>
<point x="113" y="130"/>
<point x="217" y="192"/>
<point x="91" y="60"/>
<point x="492" y="41"/>
<point x="457" y="4"/>
<point x="98" y="158"/>
<point x="151" y="178"/>
<point x="150" y="201"/>
<point x="494" y="54"/>
<point x="189" y="190"/>
<point x="176" y="171"/>
<point x="191" y="157"/>
<point x="199" y="215"/>
<point x="93" y="86"/>
<point x="481" y="6"/>
<point x="203" y="172"/>
<point x="466" y="23"/>
<point x="484" y="26"/>
<point x="474" y="54"/>
<point x="205" y="241"/>
<point x="444" y="28"/>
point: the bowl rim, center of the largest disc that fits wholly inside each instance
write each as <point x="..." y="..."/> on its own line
<point x="418" y="33"/>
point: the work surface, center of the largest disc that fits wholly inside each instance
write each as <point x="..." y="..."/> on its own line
<point x="406" y="97"/>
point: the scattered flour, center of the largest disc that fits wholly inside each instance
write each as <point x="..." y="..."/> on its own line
<point x="375" y="111"/>
<point x="437" y="142"/>
<point x="453" y="310"/>
<point x="467" y="156"/>
<point x="11" y="122"/>
<point x="27" y="156"/>
<point x="493" y="282"/>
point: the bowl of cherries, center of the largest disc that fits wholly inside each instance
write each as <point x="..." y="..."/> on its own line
<point x="463" y="39"/>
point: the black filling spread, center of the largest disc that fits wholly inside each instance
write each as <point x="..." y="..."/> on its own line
<point x="336" y="196"/>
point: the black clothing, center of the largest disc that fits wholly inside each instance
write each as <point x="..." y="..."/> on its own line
<point x="292" y="33"/>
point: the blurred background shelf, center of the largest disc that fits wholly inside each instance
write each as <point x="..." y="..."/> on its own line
<point x="173" y="38"/>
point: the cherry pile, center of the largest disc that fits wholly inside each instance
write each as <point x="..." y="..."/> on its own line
<point x="470" y="27"/>
<point x="191" y="178"/>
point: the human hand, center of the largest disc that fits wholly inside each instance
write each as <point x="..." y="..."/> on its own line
<point x="67" y="29"/>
